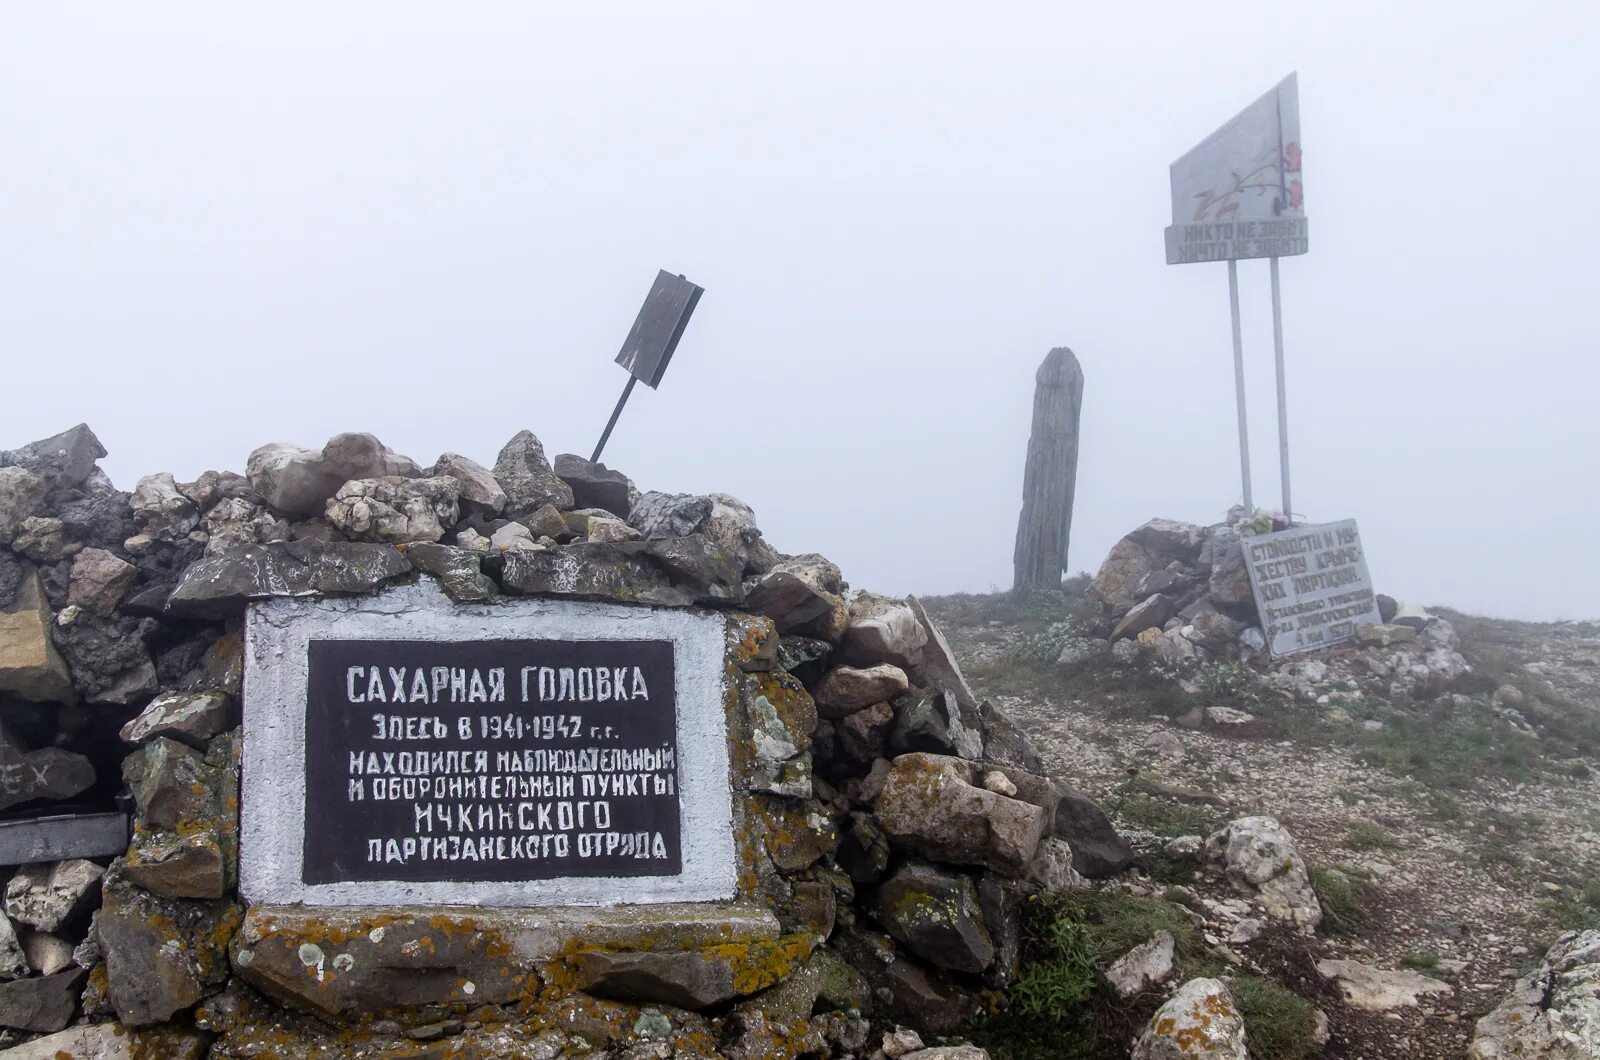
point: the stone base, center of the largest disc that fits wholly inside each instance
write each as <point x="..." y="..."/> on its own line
<point x="348" y="961"/>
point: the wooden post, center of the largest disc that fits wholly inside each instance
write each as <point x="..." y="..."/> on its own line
<point x="1051" y="474"/>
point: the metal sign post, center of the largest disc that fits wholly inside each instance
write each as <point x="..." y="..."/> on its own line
<point x="653" y="339"/>
<point x="1239" y="195"/>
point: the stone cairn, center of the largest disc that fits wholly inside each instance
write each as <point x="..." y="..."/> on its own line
<point x="902" y="822"/>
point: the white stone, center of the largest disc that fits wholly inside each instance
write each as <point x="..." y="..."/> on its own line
<point x="1200" y="1022"/>
<point x="1260" y="856"/>
<point x="1378" y="990"/>
<point x="1143" y="966"/>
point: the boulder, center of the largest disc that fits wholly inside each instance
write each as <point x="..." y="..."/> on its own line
<point x="847" y="689"/>
<point x="1229" y="583"/>
<point x="604" y="528"/>
<point x="935" y="914"/>
<point x="1553" y="1011"/>
<point x="22" y="497"/>
<point x="512" y="537"/>
<point x="1150" y="613"/>
<point x="1051" y="868"/>
<point x="527" y="478"/>
<point x="937" y="663"/>
<point x="929" y="806"/>
<point x="546" y="521"/>
<point x="1379" y="990"/>
<point x="162" y="955"/>
<point x="1141" y="553"/>
<point x="801" y="594"/>
<point x="596" y="486"/>
<point x="160" y="508"/>
<point x="476" y="488"/>
<point x="190" y="865"/>
<point x="100" y="580"/>
<point x="47" y="954"/>
<point x="657" y="514"/>
<point x="191" y="717"/>
<point x="236" y="522"/>
<point x="218" y="587"/>
<point x="395" y="509"/>
<point x="87" y="1041"/>
<point x="1200" y="1022"/>
<point x="1005" y="742"/>
<point x="107" y="655"/>
<point x="171" y="784"/>
<point x="47" y="895"/>
<point x="14" y="962"/>
<point x="48" y="773"/>
<point x="44" y="539"/>
<point x="863" y="735"/>
<point x="63" y="460"/>
<point x="933" y="722"/>
<point x="1098" y="851"/>
<point x="882" y="630"/>
<point x="30" y="666"/>
<point x="700" y="564"/>
<point x="459" y="570"/>
<point x="1143" y="966"/>
<point x="300" y="481"/>
<point x="1260" y="857"/>
<point x="41" y="1005"/>
<point x="621" y="572"/>
<point x="732" y="524"/>
<point x="692" y="979"/>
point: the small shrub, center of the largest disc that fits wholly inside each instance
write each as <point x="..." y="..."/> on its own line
<point x="1279" y="1023"/>
<point x="1051" y="987"/>
<point x="1147" y="813"/>
<point x="1367" y="835"/>
<point x="1344" y="895"/>
<point x="1420" y="960"/>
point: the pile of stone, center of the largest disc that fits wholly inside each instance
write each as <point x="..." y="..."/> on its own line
<point x="905" y="820"/>
<point x="1178" y="594"/>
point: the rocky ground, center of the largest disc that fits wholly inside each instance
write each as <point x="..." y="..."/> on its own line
<point x="1451" y="838"/>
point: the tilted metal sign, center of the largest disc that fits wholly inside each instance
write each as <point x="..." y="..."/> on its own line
<point x="658" y="328"/>
<point x="1239" y="193"/>
<point x="1311" y="585"/>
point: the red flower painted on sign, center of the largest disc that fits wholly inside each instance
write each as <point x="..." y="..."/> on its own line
<point x="1297" y="197"/>
<point x="1291" y="157"/>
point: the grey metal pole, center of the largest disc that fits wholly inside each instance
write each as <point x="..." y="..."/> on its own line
<point x="612" y="422"/>
<point x="1238" y="383"/>
<point x="1283" y="405"/>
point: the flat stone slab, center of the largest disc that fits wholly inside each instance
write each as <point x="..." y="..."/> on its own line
<point x="405" y="749"/>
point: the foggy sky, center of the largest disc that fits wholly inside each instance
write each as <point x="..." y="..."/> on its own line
<point x="436" y="223"/>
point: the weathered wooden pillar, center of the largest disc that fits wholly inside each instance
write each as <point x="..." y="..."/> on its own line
<point x="1051" y="475"/>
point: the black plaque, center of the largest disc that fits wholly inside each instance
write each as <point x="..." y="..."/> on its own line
<point x="495" y="761"/>
<point x="650" y="344"/>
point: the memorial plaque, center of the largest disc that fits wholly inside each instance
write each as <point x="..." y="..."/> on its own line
<point x="407" y="748"/>
<point x="1311" y="585"/>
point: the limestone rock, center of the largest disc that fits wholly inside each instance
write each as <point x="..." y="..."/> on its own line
<point x="14" y="962"/>
<point x="513" y="537"/>
<point x="657" y="514"/>
<point x="48" y="773"/>
<point x="934" y="723"/>
<point x="1229" y="585"/>
<point x="177" y="866"/>
<point x="1146" y="550"/>
<point x="1553" y="1011"/>
<point x="847" y="689"/>
<point x="63" y="460"/>
<point x="934" y="913"/>
<point x="938" y="663"/>
<point x="100" y="580"/>
<point x="170" y="783"/>
<point x="44" y="1004"/>
<point x="596" y="486"/>
<point x="47" y="954"/>
<point x="1150" y="613"/>
<point x="620" y="572"/>
<point x="527" y="478"/>
<point x="1143" y="966"/>
<point x="701" y="565"/>
<point x="546" y="521"/>
<point x="44" y="539"/>
<point x="1005" y="742"/>
<point x="692" y="979"/>
<point x="1051" y="868"/>
<point x="1377" y="990"/>
<point x="801" y="594"/>
<point x="300" y="481"/>
<point x="603" y="528"/>
<point x="22" y="496"/>
<point x="219" y="586"/>
<point x="88" y="1041"/>
<point x="1098" y="851"/>
<point x="965" y="1051"/>
<point x="162" y="954"/>
<point x="1259" y="856"/>
<point x="161" y="510"/>
<point x="107" y="655"/>
<point x="732" y="524"/>
<point x="459" y="570"/>
<point x="30" y="666"/>
<point x="192" y="717"/>
<point x="476" y="487"/>
<point x="47" y="895"/>
<point x="1200" y="1022"/>
<point x="883" y="630"/>
<point x="930" y="806"/>
<point x="395" y="509"/>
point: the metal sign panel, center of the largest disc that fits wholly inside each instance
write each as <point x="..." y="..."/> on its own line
<point x="658" y="328"/>
<point x="1311" y="585"/>
<point x="1239" y="193"/>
